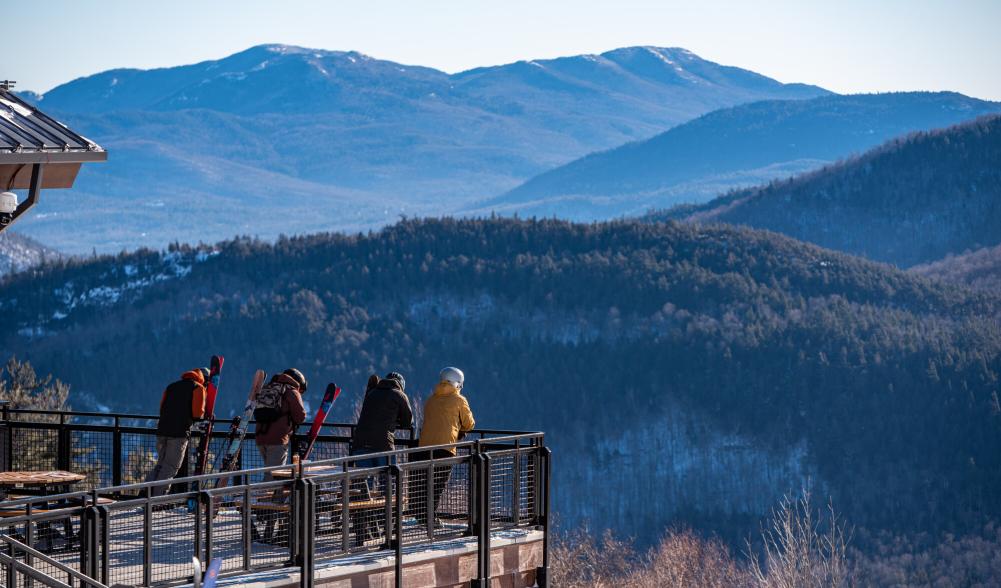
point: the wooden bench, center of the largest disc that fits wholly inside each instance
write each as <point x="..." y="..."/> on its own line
<point x="268" y="514"/>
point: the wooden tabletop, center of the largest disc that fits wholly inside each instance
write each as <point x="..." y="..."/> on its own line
<point x="48" y="478"/>
<point x="286" y="474"/>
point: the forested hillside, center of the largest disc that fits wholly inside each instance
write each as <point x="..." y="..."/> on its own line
<point x="913" y="200"/>
<point x="706" y="370"/>
<point x="979" y="269"/>
<point x="735" y="147"/>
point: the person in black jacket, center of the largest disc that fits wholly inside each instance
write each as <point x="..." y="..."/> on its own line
<point x="182" y="403"/>
<point x="385" y="409"/>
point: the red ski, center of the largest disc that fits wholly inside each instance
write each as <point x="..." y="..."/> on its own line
<point x="329" y="396"/>
<point x="211" y="391"/>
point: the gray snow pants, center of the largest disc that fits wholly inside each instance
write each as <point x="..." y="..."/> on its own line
<point x="170" y="454"/>
<point x="273" y="455"/>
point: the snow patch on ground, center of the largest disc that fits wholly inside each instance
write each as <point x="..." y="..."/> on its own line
<point x="122" y="283"/>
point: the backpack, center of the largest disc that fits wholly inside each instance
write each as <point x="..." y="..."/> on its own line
<point x="269" y="402"/>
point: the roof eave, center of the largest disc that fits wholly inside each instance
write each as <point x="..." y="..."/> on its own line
<point x="53" y="157"/>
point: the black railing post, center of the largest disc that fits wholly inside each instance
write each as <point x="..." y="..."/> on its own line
<point x="205" y="501"/>
<point x="516" y="484"/>
<point x="8" y="437"/>
<point x="307" y="528"/>
<point x="103" y="541"/>
<point x="63" y="444"/>
<point x="483" y="524"/>
<point x="247" y="534"/>
<point x="148" y="537"/>
<point x="198" y="531"/>
<point x="542" y="573"/>
<point x="11" y="575"/>
<point x="116" y="450"/>
<point x="86" y="536"/>
<point x="398" y="524"/>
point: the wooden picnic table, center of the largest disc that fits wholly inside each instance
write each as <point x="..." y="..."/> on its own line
<point x="43" y="483"/>
<point x="41" y="480"/>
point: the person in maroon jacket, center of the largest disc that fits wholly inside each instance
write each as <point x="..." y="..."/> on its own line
<point x="273" y="437"/>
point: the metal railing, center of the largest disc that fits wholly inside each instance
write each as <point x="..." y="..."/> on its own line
<point x="115" y="449"/>
<point x="318" y="511"/>
<point x="20" y="565"/>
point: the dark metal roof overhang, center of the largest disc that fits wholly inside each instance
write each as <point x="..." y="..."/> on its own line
<point x="37" y="151"/>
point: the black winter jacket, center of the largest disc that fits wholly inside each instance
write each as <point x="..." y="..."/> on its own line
<point x="182" y="404"/>
<point x="384" y="409"/>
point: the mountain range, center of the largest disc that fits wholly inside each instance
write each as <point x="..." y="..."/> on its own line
<point x="280" y="139"/>
<point x="913" y="200"/>
<point x="735" y="147"/>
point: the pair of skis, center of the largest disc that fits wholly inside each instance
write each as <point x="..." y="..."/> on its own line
<point x="238" y="429"/>
<point x="229" y="460"/>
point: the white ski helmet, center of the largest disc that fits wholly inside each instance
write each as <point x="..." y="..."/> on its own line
<point x="453" y="375"/>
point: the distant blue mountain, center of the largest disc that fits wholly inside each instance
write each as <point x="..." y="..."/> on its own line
<point x="744" y="145"/>
<point x="280" y="139"/>
<point x="910" y="201"/>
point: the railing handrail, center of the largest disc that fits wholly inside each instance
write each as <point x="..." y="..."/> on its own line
<point x="146" y="417"/>
<point x="18" y="546"/>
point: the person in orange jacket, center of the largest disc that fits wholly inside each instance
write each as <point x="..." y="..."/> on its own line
<point x="182" y="403"/>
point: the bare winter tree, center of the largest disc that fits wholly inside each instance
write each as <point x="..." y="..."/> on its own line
<point x="798" y="553"/>
<point x="22" y="388"/>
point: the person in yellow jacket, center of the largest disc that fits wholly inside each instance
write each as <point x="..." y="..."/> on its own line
<point x="447" y="418"/>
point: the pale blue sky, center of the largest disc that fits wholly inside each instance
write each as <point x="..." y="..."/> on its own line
<point x="843" y="45"/>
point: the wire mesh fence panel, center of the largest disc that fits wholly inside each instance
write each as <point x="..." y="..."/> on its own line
<point x="331" y="538"/>
<point x="138" y="456"/>
<point x="34" y="449"/>
<point x="6" y="433"/>
<point x="502" y="484"/>
<point x="527" y="486"/>
<point x="419" y="493"/>
<point x="172" y="535"/>
<point x="270" y="519"/>
<point x="328" y="449"/>
<point x="92" y="453"/>
<point x="231" y="539"/>
<point x="454" y="500"/>
<point x="353" y="511"/>
<point x="55" y="533"/>
<point x="19" y="577"/>
<point x="216" y="448"/>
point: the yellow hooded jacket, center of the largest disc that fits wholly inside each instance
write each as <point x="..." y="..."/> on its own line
<point x="446" y="414"/>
